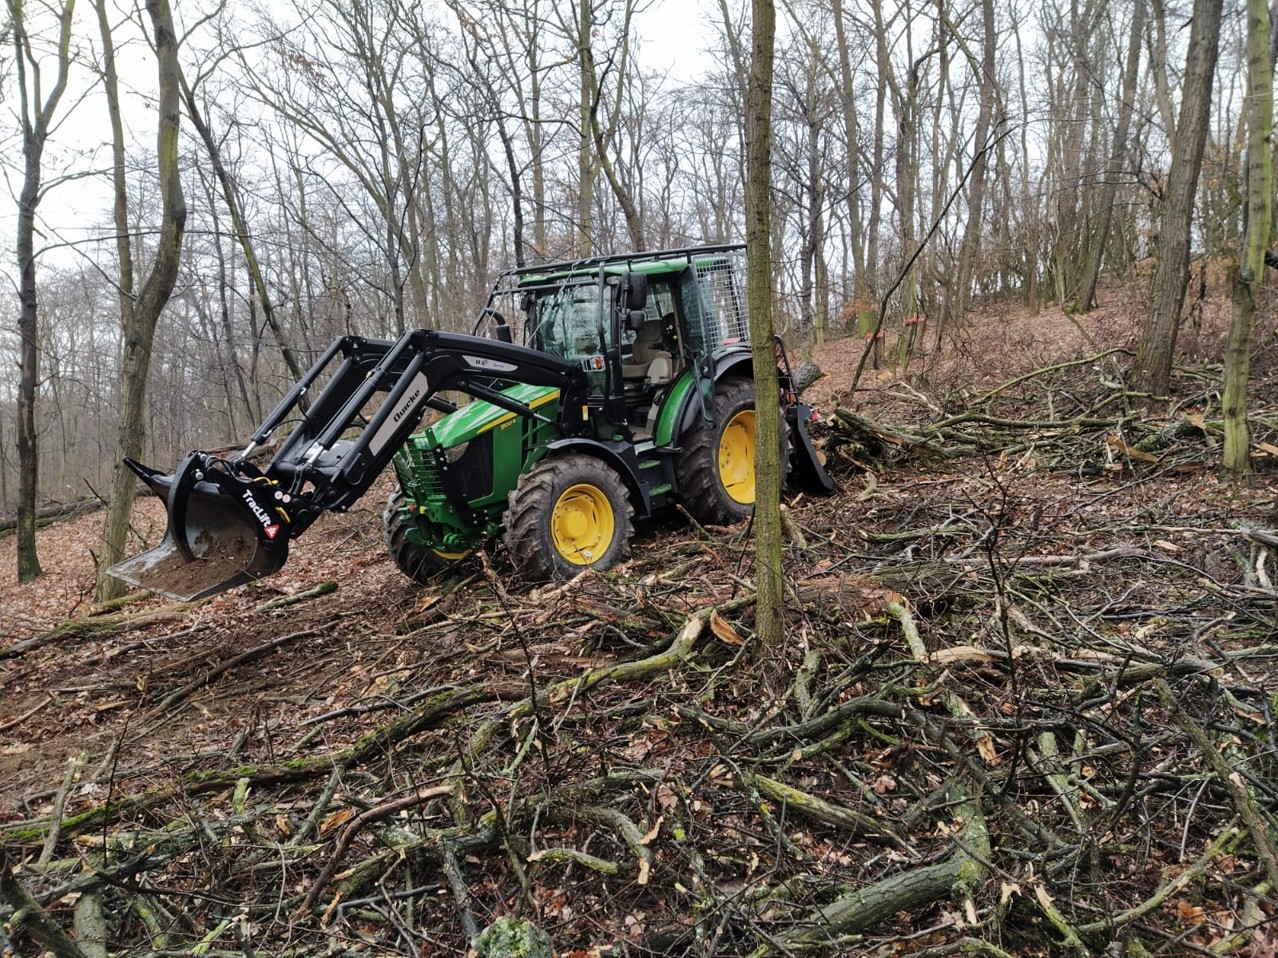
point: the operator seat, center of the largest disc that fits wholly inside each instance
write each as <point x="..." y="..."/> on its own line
<point x="651" y="363"/>
<point x="650" y="369"/>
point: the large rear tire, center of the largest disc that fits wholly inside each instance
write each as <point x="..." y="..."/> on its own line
<point x="716" y="465"/>
<point x="420" y="563"/>
<point x="567" y="514"/>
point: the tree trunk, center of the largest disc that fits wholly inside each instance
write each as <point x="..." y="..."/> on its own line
<point x="28" y="361"/>
<point x="767" y="501"/>
<point x="862" y="283"/>
<point x="971" y="246"/>
<point x="585" y="245"/>
<point x="1251" y="265"/>
<point x="36" y="120"/>
<point x="139" y="334"/>
<point x="1118" y="157"/>
<point x="1153" y="363"/>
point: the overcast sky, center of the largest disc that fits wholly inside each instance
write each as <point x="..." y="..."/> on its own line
<point x="676" y="37"/>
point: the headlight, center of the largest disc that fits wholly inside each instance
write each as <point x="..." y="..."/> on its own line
<point x="454" y="453"/>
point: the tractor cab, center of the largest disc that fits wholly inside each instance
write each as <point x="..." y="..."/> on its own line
<point x="635" y="325"/>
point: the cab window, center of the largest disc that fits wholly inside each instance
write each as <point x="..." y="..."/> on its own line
<point x="568" y="321"/>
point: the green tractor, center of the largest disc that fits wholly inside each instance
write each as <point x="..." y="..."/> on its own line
<point x="598" y="391"/>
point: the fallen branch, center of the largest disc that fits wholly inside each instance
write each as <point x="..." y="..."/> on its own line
<point x="353" y="828"/>
<point x="15" y="722"/>
<point x="28" y="913"/>
<point x="874" y="904"/>
<point x="959" y="874"/>
<point x="1257" y="827"/>
<point x="324" y="588"/>
<point x="98" y="625"/>
<point x="47" y="514"/>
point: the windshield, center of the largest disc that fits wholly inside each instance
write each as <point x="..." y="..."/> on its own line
<point x="570" y="321"/>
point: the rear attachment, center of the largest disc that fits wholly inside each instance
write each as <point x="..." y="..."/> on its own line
<point x="227" y="525"/>
<point x="808" y="468"/>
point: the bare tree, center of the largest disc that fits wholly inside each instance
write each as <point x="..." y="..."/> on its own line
<point x="1153" y="364"/>
<point x="985" y="69"/>
<point x="863" y="280"/>
<point x="138" y="325"/>
<point x="353" y="79"/>
<point x="1247" y="284"/>
<point x="601" y="83"/>
<point x="230" y="196"/>
<point x="36" y="111"/>
<point x="1118" y="156"/>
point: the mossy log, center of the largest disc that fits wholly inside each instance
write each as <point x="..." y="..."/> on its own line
<point x="867" y="907"/>
<point x="95" y="625"/>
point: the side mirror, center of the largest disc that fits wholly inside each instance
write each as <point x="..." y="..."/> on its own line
<point x="636" y="291"/>
<point x="635" y="318"/>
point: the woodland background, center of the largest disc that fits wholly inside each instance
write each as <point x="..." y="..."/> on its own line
<point x="366" y="167"/>
<point x="1024" y="702"/>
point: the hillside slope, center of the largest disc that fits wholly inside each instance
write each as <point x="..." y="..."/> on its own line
<point x="1022" y="638"/>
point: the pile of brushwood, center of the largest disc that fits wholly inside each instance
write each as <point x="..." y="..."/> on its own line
<point x="1025" y="707"/>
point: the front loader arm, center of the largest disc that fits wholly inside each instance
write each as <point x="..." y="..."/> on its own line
<point x="230" y="522"/>
<point x="340" y="467"/>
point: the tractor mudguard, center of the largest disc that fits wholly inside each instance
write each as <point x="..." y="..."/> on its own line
<point x="223" y="530"/>
<point x="691" y="402"/>
<point x="807" y="469"/>
<point x="625" y="466"/>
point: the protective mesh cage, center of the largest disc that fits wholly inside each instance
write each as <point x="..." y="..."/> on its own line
<point x="721" y="280"/>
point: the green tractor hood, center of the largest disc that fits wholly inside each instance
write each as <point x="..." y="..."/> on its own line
<point x="478" y="417"/>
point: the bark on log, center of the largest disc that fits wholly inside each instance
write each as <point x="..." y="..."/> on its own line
<point x="38" y="923"/>
<point x="47" y="514"/>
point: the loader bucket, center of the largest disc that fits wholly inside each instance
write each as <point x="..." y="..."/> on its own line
<point x="213" y="541"/>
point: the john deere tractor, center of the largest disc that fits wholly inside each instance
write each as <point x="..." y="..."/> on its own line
<point x="589" y="393"/>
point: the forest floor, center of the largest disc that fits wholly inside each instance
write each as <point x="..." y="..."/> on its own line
<point x="1025" y="706"/>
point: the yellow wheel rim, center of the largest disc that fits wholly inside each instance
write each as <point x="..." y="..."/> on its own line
<point x="736" y="457"/>
<point x="582" y="524"/>
<point x="450" y="556"/>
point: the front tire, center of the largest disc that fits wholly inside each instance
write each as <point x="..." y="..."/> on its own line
<point x="567" y="514"/>
<point x="420" y="563"/>
<point x="716" y="465"/>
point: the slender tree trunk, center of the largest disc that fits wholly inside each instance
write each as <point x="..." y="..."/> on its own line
<point x="231" y="198"/>
<point x="28" y="361"/>
<point x="155" y="292"/>
<point x="862" y="283"/>
<point x="1118" y="157"/>
<point x="1153" y="363"/>
<point x="1158" y="66"/>
<point x="4" y="469"/>
<point x="1030" y="238"/>
<point x="36" y="120"/>
<point x="1070" y="221"/>
<point x="971" y="246"/>
<point x="868" y="311"/>
<point x="585" y="245"/>
<point x="767" y="504"/>
<point x="1251" y="265"/>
